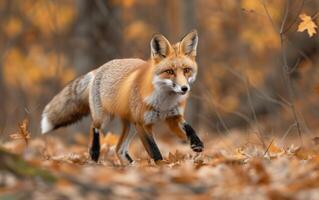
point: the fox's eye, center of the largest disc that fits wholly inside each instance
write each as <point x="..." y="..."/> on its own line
<point x="187" y="70"/>
<point x="169" y="71"/>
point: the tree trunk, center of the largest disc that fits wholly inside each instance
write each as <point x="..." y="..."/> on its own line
<point x="97" y="37"/>
<point x="98" y="34"/>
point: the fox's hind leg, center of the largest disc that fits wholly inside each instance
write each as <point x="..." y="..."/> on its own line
<point x="96" y="129"/>
<point x="99" y="117"/>
<point x="123" y="144"/>
<point x="95" y="146"/>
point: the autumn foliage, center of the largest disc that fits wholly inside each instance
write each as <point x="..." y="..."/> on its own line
<point x="254" y="103"/>
<point x="232" y="166"/>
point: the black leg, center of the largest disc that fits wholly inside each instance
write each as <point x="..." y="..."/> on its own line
<point x="196" y="144"/>
<point x="128" y="157"/>
<point x="153" y="148"/>
<point x="95" y="148"/>
<point x="149" y="143"/>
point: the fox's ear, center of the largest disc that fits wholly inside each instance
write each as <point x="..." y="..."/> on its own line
<point x="188" y="44"/>
<point x="160" y="46"/>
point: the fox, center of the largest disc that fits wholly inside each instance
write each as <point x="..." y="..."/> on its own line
<point x="141" y="93"/>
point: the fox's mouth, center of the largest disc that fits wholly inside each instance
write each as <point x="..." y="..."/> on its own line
<point x="174" y="92"/>
<point x="181" y="92"/>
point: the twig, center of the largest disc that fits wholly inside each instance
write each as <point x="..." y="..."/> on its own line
<point x="217" y="105"/>
<point x="285" y="67"/>
<point x="219" y="116"/>
<point x="295" y="66"/>
<point x="247" y="85"/>
<point x="284" y="100"/>
<point x="269" y="16"/>
<point x="269" y="146"/>
<point x="286" y="12"/>
<point x="287" y="132"/>
<point x="266" y="97"/>
<point x="254" y="112"/>
<point x="290" y="87"/>
<point x="299" y="50"/>
<point x="296" y="17"/>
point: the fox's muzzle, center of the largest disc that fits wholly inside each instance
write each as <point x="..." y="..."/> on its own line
<point x="181" y="89"/>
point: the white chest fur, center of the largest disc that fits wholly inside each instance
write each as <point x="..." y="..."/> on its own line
<point x="163" y="100"/>
<point x="164" y="103"/>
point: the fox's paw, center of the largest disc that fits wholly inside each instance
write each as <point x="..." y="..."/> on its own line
<point x="197" y="145"/>
<point x="95" y="154"/>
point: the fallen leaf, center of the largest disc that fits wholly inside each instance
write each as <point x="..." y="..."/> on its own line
<point x="23" y="132"/>
<point x="307" y="24"/>
<point x="302" y="153"/>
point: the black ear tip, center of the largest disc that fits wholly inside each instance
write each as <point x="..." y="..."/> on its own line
<point x="192" y="34"/>
<point x="194" y="31"/>
<point x="157" y="36"/>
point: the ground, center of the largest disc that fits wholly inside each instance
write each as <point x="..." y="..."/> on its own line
<point x="233" y="166"/>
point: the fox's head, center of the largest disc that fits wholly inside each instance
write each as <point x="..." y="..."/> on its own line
<point x="175" y="67"/>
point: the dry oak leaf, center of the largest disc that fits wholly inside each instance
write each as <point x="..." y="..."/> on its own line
<point x="307" y="24"/>
<point x="23" y="132"/>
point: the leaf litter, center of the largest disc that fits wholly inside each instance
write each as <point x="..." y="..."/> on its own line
<point x="229" y="168"/>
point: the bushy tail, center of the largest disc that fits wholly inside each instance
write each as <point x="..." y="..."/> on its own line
<point x="68" y="106"/>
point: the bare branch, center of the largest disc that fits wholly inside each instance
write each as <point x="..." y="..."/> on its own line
<point x="292" y="126"/>
<point x="269" y="146"/>
<point x="269" y="16"/>
<point x="254" y="112"/>
<point x="296" y="17"/>
<point x="286" y="12"/>
<point x="285" y="66"/>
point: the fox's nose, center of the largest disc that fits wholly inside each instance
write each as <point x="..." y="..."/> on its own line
<point x="184" y="88"/>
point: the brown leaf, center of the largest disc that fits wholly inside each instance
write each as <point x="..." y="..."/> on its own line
<point x="23" y="132"/>
<point x="302" y="153"/>
<point x="173" y="158"/>
<point x="307" y="24"/>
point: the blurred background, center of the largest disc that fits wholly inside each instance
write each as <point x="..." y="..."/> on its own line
<point x="242" y="81"/>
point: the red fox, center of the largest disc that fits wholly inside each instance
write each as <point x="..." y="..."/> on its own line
<point x="140" y="93"/>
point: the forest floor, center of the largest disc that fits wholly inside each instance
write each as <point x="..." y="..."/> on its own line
<point x="234" y="166"/>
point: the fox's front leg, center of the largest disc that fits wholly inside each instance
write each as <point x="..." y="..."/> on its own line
<point x="182" y="129"/>
<point x="146" y="135"/>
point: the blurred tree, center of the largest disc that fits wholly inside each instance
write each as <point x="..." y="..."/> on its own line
<point x="97" y="34"/>
<point x="97" y="37"/>
<point x="45" y="44"/>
